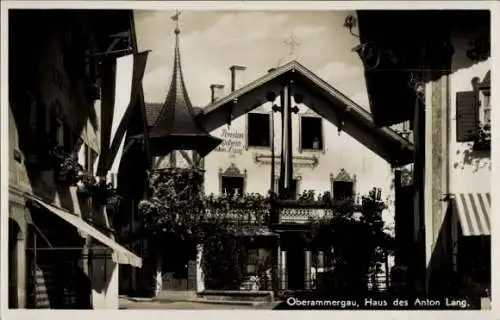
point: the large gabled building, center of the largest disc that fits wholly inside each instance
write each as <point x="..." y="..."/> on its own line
<point x="332" y="145"/>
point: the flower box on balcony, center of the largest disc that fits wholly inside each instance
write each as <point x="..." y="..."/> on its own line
<point x="482" y="141"/>
<point x="66" y="167"/>
<point x="85" y="183"/>
<point x="101" y="191"/>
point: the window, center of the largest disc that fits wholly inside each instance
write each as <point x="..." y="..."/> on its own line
<point x="342" y="190"/>
<point x="258" y="130"/>
<point x="90" y="158"/>
<point x="311" y="133"/>
<point x="232" y="181"/>
<point x="253" y="261"/>
<point x="485" y="108"/>
<point x="233" y="185"/>
<point x="473" y="114"/>
<point x="343" y="186"/>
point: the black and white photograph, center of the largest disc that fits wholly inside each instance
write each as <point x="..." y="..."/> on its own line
<point x="177" y="158"/>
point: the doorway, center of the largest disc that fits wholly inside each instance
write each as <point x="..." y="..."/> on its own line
<point x="14" y="235"/>
<point x="296" y="267"/>
<point x="179" y="265"/>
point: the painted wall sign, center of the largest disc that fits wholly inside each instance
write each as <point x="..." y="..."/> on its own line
<point x="232" y="142"/>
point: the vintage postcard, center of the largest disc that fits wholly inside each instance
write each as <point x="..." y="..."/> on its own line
<point x="239" y="157"/>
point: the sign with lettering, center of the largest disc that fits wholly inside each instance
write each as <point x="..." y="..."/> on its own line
<point x="232" y="142"/>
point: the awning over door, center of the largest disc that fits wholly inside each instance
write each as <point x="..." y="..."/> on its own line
<point x="120" y="254"/>
<point x="473" y="211"/>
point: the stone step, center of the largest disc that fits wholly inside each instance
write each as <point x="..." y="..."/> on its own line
<point x="236" y="295"/>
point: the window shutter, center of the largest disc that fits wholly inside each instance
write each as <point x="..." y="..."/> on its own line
<point x="467" y="115"/>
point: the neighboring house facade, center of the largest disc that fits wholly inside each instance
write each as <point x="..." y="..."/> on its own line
<point x="62" y="252"/>
<point x="448" y="104"/>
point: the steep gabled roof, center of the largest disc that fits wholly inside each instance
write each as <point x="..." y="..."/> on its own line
<point x="153" y="110"/>
<point x="175" y="126"/>
<point x="177" y="115"/>
<point x="321" y="97"/>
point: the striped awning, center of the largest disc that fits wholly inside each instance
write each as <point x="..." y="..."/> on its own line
<point x="474" y="213"/>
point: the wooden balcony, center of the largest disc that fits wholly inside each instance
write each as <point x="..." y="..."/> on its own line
<point x="295" y="212"/>
<point x="244" y="216"/>
<point x="285" y="212"/>
<point x="303" y="215"/>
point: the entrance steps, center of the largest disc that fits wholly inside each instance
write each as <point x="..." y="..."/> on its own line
<point x="236" y="297"/>
<point x="175" y="296"/>
<point x="240" y="296"/>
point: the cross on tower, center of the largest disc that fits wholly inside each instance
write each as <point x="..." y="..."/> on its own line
<point x="175" y="17"/>
<point x="292" y="42"/>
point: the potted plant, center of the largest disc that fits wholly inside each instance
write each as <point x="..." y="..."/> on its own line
<point x="85" y="182"/>
<point x="100" y="191"/>
<point x="113" y="203"/>
<point x="66" y="168"/>
<point x="483" y="137"/>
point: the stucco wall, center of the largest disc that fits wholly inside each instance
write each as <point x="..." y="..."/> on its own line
<point x="470" y="171"/>
<point x="341" y="152"/>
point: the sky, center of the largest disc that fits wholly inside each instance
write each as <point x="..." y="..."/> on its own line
<point x="212" y="41"/>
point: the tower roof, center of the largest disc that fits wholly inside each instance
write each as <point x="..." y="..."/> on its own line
<point x="175" y="127"/>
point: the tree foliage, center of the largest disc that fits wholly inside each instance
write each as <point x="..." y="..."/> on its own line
<point x="177" y="205"/>
<point x="360" y="245"/>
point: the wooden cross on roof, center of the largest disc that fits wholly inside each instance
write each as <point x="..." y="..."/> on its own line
<point x="292" y="42"/>
<point x="175" y="17"/>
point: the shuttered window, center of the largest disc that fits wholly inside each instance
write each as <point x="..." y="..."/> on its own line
<point x="467" y="115"/>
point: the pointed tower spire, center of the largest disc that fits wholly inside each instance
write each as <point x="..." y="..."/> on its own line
<point x="176" y="127"/>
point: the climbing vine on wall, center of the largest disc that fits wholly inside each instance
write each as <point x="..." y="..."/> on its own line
<point x="356" y="234"/>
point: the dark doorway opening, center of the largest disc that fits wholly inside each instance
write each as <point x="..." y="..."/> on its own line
<point x="179" y="264"/>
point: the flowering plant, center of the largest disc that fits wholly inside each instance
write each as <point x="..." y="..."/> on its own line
<point x="66" y="167"/>
<point x="113" y="203"/>
<point x="483" y="137"/>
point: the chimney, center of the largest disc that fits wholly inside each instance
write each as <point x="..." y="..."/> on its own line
<point x="217" y="91"/>
<point x="233" y="75"/>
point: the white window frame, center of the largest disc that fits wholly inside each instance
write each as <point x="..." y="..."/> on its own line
<point x="485" y="106"/>
<point x="248" y="146"/>
<point x="301" y="147"/>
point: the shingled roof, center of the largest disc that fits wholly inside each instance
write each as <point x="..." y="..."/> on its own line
<point x="153" y="110"/>
<point x="173" y="125"/>
<point x="323" y="99"/>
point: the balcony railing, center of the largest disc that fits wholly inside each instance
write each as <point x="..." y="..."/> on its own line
<point x="295" y="212"/>
<point x="251" y="216"/>
<point x="285" y="212"/>
<point x="302" y="215"/>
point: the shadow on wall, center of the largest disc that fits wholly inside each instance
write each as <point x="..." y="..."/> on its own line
<point x="102" y="270"/>
<point x="477" y="159"/>
<point x="443" y="280"/>
<point x="30" y="61"/>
